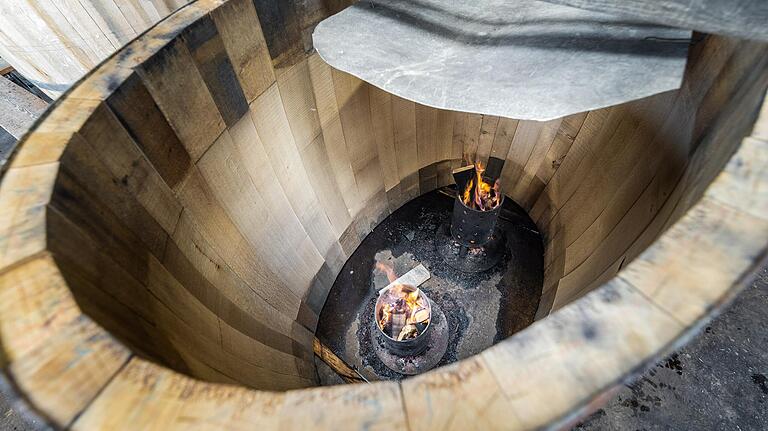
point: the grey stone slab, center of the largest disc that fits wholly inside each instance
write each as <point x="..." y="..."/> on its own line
<point x="522" y="59"/>
<point x="740" y="18"/>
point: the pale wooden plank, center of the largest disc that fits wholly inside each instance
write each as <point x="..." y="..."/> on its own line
<point x="195" y="263"/>
<point x="457" y="139"/>
<point x="281" y="245"/>
<point x="404" y="123"/>
<point x="274" y="130"/>
<point x="333" y="134"/>
<point x="732" y="242"/>
<point x="240" y="30"/>
<point x="470" y="137"/>
<point x="545" y="140"/>
<point x="668" y="195"/>
<point x="144" y="395"/>
<point x="747" y="167"/>
<point x="35" y="305"/>
<point x="460" y="396"/>
<point x="207" y="358"/>
<point x="566" y="134"/>
<point x="355" y="115"/>
<point x="488" y="128"/>
<point x="318" y="166"/>
<point x="579" y="350"/>
<point x="502" y="140"/>
<point x="24" y="193"/>
<point x="558" y="189"/>
<point x="384" y="134"/>
<point x="78" y="360"/>
<point x="377" y="406"/>
<point x="426" y="131"/>
<point x="524" y="140"/>
<point x="219" y="231"/>
<point x="630" y="173"/>
<point x="48" y="140"/>
<point x="295" y="90"/>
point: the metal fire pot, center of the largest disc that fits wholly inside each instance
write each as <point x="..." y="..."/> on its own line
<point x="471" y="227"/>
<point x="410" y="347"/>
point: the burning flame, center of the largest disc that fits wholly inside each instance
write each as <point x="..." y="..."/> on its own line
<point x="479" y="194"/>
<point x="405" y="311"/>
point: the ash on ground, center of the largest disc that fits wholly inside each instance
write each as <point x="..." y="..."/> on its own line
<point x="481" y="308"/>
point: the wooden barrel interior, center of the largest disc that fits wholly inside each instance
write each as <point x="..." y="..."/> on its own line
<point x="199" y="192"/>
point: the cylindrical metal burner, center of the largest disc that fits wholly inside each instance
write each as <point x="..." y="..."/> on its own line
<point x="471" y="227"/>
<point x="409" y="347"/>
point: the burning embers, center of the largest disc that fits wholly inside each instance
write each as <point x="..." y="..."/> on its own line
<point x="470" y="244"/>
<point x="478" y="193"/>
<point x="411" y="333"/>
<point x="403" y="312"/>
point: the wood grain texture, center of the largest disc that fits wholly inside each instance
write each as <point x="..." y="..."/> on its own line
<point x="155" y="217"/>
<point x="180" y="91"/>
<point x="241" y="33"/>
<point x="55" y="42"/>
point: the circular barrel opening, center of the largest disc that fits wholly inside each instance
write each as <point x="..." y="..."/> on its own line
<point x="198" y="195"/>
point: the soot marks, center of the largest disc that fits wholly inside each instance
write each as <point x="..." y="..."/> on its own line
<point x="480" y="308"/>
<point x="761" y="381"/>
<point x="207" y="49"/>
<point x="280" y="25"/>
<point x="643" y="397"/>
<point x="673" y="363"/>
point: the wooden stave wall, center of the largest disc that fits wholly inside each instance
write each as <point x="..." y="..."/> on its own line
<point x="54" y="43"/>
<point x="418" y="179"/>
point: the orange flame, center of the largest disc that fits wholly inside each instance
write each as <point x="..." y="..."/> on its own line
<point x="405" y="311"/>
<point x="479" y="194"/>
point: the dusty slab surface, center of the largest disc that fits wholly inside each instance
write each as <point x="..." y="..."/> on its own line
<point x="741" y="18"/>
<point x="480" y="308"/>
<point x="718" y="381"/>
<point x="521" y="59"/>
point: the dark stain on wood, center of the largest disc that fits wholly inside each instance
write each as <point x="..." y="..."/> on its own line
<point x="210" y="56"/>
<point x="139" y="114"/>
<point x="321" y="285"/>
<point x="282" y="31"/>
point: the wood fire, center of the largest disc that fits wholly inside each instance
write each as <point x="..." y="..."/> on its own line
<point x="404" y="312"/>
<point x="480" y="194"/>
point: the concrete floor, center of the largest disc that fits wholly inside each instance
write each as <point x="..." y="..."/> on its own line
<point x="719" y="381"/>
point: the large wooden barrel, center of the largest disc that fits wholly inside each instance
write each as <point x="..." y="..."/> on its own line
<point x="172" y="225"/>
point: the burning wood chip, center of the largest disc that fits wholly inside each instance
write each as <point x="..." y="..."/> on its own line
<point x="408" y="331"/>
<point x="403" y="311"/>
<point x="421" y="315"/>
